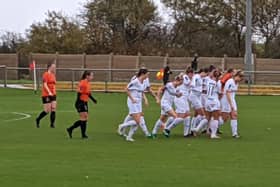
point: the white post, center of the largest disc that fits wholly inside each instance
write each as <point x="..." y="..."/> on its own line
<point x="34" y="76"/>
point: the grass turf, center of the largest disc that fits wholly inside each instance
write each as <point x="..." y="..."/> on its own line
<point x="48" y="158"/>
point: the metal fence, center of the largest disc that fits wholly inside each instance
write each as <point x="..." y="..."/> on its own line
<point x="106" y="76"/>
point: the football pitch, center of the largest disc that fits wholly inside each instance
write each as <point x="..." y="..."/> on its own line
<point x="46" y="157"/>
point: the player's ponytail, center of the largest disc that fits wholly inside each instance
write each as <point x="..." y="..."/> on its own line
<point x="85" y="74"/>
<point x="142" y="71"/>
<point x="189" y="70"/>
<point x="49" y="65"/>
<point x="216" y="74"/>
<point x="239" y="73"/>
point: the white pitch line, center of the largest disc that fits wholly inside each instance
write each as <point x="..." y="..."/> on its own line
<point x="25" y="116"/>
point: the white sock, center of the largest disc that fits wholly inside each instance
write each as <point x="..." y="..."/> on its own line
<point x="157" y="126"/>
<point x="128" y="118"/>
<point x="169" y="122"/>
<point x="128" y="124"/>
<point x="175" y="123"/>
<point x="195" y="121"/>
<point x="187" y="125"/>
<point x="132" y="130"/>
<point x="202" y="124"/>
<point x="206" y="126"/>
<point x="144" y="127"/>
<point x="214" y="127"/>
<point x="233" y="124"/>
<point x="221" y="121"/>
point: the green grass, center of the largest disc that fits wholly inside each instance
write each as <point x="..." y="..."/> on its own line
<point x="48" y="158"/>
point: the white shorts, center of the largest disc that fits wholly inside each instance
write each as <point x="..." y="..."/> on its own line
<point x="134" y="108"/>
<point x="226" y="106"/>
<point x="165" y="108"/>
<point x="182" y="105"/>
<point x="212" y="105"/>
<point x="195" y="101"/>
<point x="203" y="100"/>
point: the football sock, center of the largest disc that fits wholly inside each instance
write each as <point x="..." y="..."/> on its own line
<point x="233" y="124"/>
<point x="157" y="126"/>
<point x="187" y="125"/>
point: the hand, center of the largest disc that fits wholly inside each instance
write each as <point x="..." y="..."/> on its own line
<point x="157" y="100"/>
<point x="50" y="94"/>
<point x="146" y="103"/>
<point x="179" y="94"/>
<point x="134" y="101"/>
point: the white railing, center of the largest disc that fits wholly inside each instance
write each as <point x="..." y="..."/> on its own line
<point x="18" y="75"/>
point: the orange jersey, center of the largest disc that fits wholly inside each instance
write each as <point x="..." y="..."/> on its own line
<point x="50" y="79"/>
<point x="84" y="90"/>
<point x="226" y="77"/>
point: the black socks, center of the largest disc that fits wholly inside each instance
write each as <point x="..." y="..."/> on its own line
<point x="84" y="129"/>
<point x="79" y="123"/>
<point x="52" y="118"/>
<point x="75" y="125"/>
<point x="42" y="115"/>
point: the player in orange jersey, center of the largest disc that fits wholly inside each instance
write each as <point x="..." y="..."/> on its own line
<point x="83" y="95"/>
<point x="48" y="95"/>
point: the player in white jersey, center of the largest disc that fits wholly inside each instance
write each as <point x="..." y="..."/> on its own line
<point x="195" y="97"/>
<point x="182" y="105"/>
<point x="169" y="94"/>
<point x="229" y="106"/>
<point x="204" y="87"/>
<point x="212" y="105"/>
<point x="148" y="89"/>
<point x="135" y="92"/>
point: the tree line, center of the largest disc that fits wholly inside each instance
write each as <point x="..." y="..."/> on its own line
<point x="206" y="27"/>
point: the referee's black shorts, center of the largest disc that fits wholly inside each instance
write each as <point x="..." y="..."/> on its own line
<point x="48" y="99"/>
<point x="81" y="106"/>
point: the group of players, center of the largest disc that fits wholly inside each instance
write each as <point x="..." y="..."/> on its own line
<point x="209" y="92"/>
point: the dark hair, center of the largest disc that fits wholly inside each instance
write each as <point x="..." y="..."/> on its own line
<point x="142" y="71"/>
<point x="205" y="70"/>
<point x="217" y="74"/>
<point x="211" y="68"/>
<point x="239" y="74"/>
<point x="230" y="70"/>
<point x="85" y="74"/>
<point x="189" y="70"/>
<point x="49" y="65"/>
<point x="178" y="77"/>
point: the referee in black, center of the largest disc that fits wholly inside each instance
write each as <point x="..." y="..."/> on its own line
<point x="166" y="73"/>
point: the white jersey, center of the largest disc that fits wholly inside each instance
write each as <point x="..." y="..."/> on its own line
<point x="205" y="82"/>
<point x="186" y="86"/>
<point x="169" y="94"/>
<point x="212" y="91"/>
<point x="136" y="89"/>
<point x="231" y="87"/>
<point x="196" y="84"/>
<point x="146" y="82"/>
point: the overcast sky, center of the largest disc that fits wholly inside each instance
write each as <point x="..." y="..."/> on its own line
<point x="18" y="15"/>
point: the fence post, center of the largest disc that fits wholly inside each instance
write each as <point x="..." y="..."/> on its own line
<point x="138" y="60"/>
<point x="84" y="60"/>
<point x="255" y="67"/>
<point x="165" y="60"/>
<point x="73" y="79"/>
<point x="56" y="59"/>
<point x="224" y="63"/>
<point x="111" y="58"/>
<point x="5" y="77"/>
